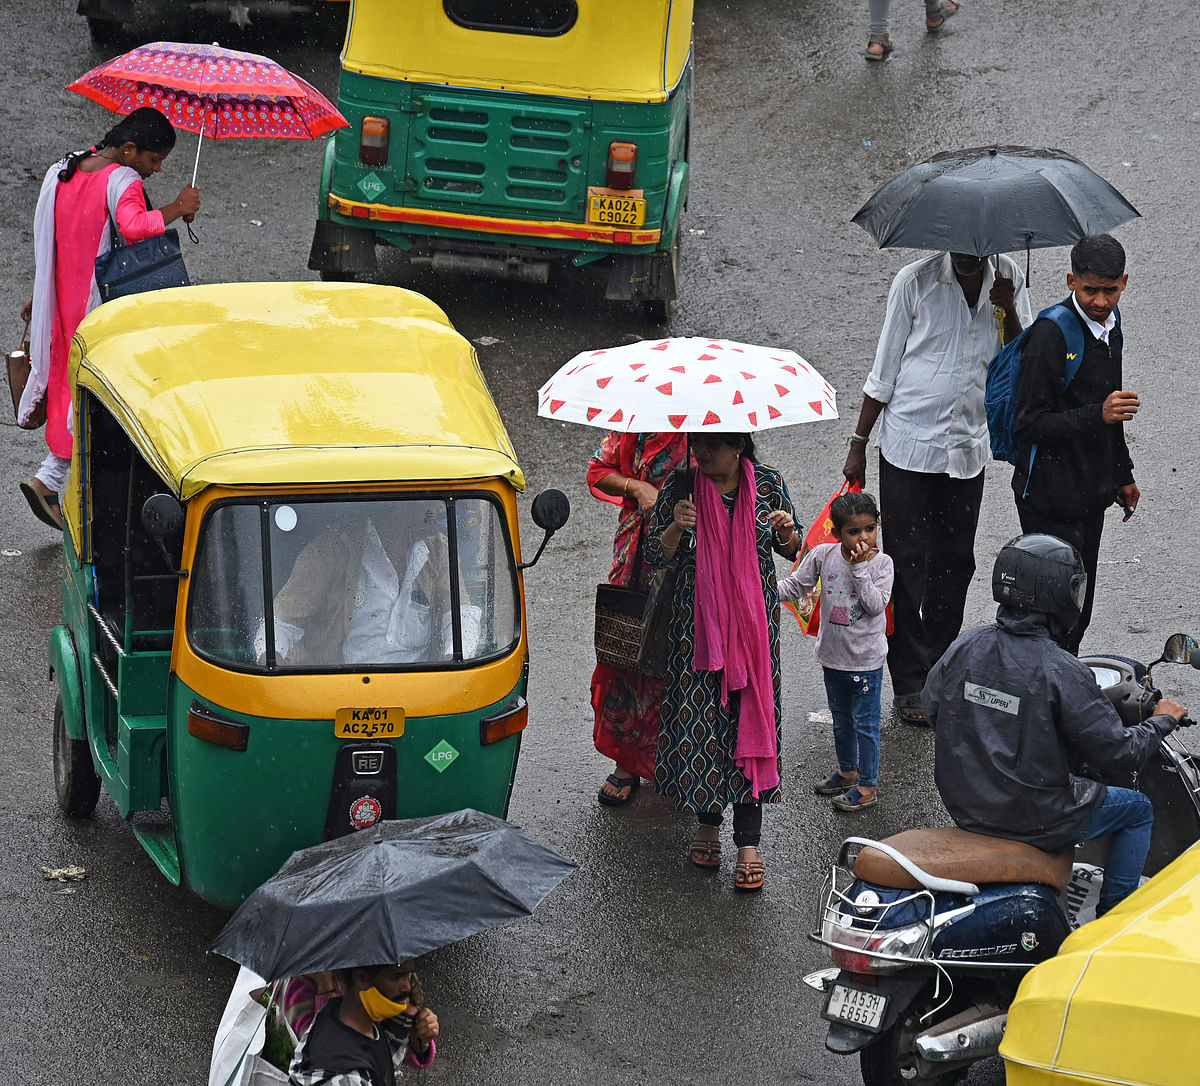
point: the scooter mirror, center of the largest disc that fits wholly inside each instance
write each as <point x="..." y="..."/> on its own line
<point x="1178" y="649"/>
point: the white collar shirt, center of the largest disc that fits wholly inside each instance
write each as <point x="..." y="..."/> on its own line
<point x="1100" y="331"/>
<point x="931" y="367"/>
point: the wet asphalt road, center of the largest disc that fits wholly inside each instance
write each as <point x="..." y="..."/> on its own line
<point x="640" y="968"/>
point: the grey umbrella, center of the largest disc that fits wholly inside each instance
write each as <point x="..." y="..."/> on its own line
<point x="987" y="200"/>
<point x="389" y="894"/>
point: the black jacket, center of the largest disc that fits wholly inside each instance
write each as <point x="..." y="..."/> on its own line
<point x="1012" y="713"/>
<point x="1081" y="459"/>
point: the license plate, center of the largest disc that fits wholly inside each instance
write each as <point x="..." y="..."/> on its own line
<point x="610" y="209"/>
<point x="387" y="723"/>
<point x="859" y="1008"/>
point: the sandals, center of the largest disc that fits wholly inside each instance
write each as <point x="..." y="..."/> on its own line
<point x="885" y="47"/>
<point x="949" y="8"/>
<point x="748" y="874"/>
<point x="835" y="784"/>
<point x="908" y="708"/>
<point x="855" y="800"/>
<point x="632" y="783"/>
<point x="45" y="506"/>
<point x="705" y="852"/>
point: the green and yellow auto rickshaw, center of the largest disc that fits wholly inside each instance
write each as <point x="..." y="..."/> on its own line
<point x="500" y="138"/>
<point x="293" y="602"/>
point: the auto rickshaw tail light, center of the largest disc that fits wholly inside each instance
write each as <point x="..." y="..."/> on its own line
<point x="622" y="165"/>
<point x="203" y="724"/>
<point x="501" y="725"/>
<point x="373" y="141"/>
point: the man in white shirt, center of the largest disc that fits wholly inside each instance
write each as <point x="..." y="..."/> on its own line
<point x="939" y="334"/>
<point x="1082" y="465"/>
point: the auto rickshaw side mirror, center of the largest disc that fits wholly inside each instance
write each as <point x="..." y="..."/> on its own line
<point x="162" y="515"/>
<point x="551" y="509"/>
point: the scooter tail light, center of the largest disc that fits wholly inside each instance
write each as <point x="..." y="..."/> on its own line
<point x="203" y="724"/>
<point x="622" y="165"/>
<point x="373" y="141"/>
<point x="507" y="722"/>
<point x="871" y="950"/>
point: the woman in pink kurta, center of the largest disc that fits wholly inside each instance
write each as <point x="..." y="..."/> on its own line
<point x="70" y="230"/>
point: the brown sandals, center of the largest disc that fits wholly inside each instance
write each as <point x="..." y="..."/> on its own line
<point x="705" y="852"/>
<point x="748" y="874"/>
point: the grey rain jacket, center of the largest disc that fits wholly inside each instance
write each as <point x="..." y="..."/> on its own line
<point x="1012" y="715"/>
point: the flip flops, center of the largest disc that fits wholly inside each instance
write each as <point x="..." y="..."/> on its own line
<point x="45" y="506"/>
<point x="855" y="800"/>
<point x="632" y="783"/>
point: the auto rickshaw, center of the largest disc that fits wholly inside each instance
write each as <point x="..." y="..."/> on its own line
<point x="502" y="138"/>
<point x="293" y="601"/>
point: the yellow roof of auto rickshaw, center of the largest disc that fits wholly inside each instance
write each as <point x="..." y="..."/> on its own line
<point x="291" y="383"/>
<point x="1117" y="1002"/>
<point x="616" y="50"/>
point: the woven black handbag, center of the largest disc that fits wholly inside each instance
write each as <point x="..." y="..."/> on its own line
<point x="631" y="624"/>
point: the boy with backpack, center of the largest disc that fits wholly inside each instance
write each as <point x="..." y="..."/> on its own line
<point x="1072" y="462"/>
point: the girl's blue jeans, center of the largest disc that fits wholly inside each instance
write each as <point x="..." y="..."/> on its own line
<point x="855" y="701"/>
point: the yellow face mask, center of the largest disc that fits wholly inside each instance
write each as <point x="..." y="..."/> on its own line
<point x="378" y="1006"/>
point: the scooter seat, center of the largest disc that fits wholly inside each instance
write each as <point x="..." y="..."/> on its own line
<point x="951" y="853"/>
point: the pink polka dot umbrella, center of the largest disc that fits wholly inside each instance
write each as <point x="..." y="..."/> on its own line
<point x="689" y="385"/>
<point x="221" y="93"/>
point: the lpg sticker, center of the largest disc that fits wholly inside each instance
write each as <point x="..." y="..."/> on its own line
<point x="365" y="811"/>
<point x="442" y="756"/>
<point x="370" y="186"/>
<point x="992" y="699"/>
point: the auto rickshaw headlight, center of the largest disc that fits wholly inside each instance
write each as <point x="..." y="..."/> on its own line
<point x="622" y="165"/>
<point x="510" y="720"/>
<point x="206" y="725"/>
<point x="373" y="141"/>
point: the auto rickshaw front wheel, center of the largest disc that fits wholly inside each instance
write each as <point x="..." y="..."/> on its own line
<point x="75" y="781"/>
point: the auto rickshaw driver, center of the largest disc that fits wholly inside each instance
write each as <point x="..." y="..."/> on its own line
<point x="373" y="588"/>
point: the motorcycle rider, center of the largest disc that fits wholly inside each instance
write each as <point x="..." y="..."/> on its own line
<point x="1014" y="715"/>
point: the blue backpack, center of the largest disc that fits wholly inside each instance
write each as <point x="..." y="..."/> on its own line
<point x="1004" y="375"/>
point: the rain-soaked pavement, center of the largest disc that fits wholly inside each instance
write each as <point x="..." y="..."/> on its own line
<point x="640" y="968"/>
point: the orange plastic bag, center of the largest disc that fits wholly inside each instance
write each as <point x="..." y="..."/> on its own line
<point x="808" y="609"/>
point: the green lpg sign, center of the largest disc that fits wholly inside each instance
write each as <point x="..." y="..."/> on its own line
<point x="442" y="756"/>
<point x="371" y="186"/>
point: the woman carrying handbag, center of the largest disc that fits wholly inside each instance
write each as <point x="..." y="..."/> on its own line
<point x="71" y="228"/>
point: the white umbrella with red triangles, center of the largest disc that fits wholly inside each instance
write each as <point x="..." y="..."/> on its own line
<point x="688" y="384"/>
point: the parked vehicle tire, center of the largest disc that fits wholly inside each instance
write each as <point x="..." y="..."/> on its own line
<point x="890" y="1060"/>
<point x="75" y="781"/>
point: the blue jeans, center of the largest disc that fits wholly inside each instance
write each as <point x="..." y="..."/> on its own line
<point x="1129" y="817"/>
<point x="854" y="700"/>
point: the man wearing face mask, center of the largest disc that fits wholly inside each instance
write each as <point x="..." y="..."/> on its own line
<point x="944" y="323"/>
<point x="378" y="1026"/>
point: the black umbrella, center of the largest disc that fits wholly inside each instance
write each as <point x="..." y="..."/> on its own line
<point x="390" y="894"/>
<point x="988" y="200"/>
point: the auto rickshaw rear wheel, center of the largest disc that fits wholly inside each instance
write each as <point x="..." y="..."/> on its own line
<point x="75" y="781"/>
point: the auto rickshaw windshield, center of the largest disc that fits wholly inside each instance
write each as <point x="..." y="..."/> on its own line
<point x="318" y="584"/>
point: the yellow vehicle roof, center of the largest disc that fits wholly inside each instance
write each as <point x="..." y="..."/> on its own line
<point x="617" y="50"/>
<point x="1117" y="1003"/>
<point x="286" y="383"/>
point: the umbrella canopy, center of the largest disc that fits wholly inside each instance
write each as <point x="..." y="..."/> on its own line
<point x="221" y="93"/>
<point x="690" y="385"/>
<point x="988" y="200"/>
<point x="390" y="894"/>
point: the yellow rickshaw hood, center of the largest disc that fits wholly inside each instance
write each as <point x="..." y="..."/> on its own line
<point x="286" y="383"/>
<point x="1117" y="1003"/>
<point x="616" y="51"/>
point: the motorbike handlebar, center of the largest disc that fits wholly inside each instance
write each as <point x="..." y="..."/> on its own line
<point x="1186" y="722"/>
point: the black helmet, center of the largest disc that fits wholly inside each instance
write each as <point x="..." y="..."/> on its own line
<point x="1040" y="573"/>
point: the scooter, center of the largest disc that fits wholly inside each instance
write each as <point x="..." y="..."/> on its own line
<point x="931" y="931"/>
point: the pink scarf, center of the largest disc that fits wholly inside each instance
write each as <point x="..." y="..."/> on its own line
<point x="731" y="621"/>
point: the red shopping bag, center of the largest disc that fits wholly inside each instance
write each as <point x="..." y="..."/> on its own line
<point x="808" y="609"/>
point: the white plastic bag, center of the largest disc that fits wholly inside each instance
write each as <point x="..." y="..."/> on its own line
<point x="236" y="1059"/>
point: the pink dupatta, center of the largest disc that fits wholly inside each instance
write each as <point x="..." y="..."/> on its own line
<point x="731" y="621"/>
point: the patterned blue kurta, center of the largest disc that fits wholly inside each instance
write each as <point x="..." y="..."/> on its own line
<point x="697" y="735"/>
